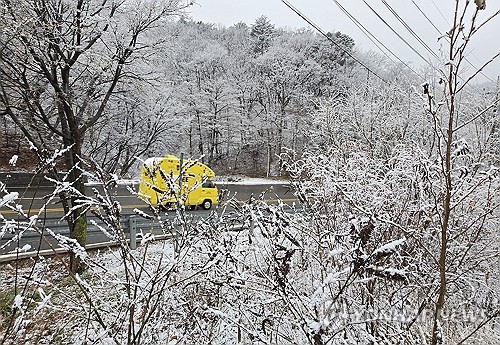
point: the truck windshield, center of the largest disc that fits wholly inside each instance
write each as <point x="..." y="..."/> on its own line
<point x="208" y="184"/>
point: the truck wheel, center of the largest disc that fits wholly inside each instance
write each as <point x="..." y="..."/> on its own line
<point x="207" y="204"/>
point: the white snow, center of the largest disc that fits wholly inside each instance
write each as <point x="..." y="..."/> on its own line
<point x="247" y="181"/>
<point x="45" y="299"/>
<point x="120" y="182"/>
<point x="25" y="248"/>
<point x="147" y="237"/>
<point x="9" y="197"/>
<point x="18" y="301"/>
<point x="32" y="146"/>
<point x="13" y="160"/>
<point x="335" y="252"/>
<point x="127" y="182"/>
<point x="151" y="162"/>
<point x="141" y="213"/>
<point x="84" y="283"/>
<point x="389" y="247"/>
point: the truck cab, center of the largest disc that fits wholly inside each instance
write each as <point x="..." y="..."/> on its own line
<point x="165" y="183"/>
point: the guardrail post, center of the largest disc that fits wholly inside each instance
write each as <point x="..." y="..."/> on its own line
<point x="132" y="226"/>
<point x="251" y="227"/>
<point x="252" y="224"/>
<point x="177" y="229"/>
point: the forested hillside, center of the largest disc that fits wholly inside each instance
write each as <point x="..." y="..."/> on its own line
<point x="237" y="96"/>
<point x="392" y="233"/>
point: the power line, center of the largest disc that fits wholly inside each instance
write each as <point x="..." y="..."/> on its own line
<point x="401" y="38"/>
<point x="442" y="15"/>
<point x="410" y="30"/>
<point x="397" y="34"/>
<point x="372" y="37"/>
<point x="316" y="27"/>
<point x="364" y="30"/>
<point x="430" y="21"/>
<point x="447" y="39"/>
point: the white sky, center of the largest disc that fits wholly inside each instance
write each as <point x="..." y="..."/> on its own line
<point x="328" y="16"/>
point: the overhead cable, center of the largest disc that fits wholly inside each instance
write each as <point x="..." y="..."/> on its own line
<point x="423" y="13"/>
<point x="447" y="39"/>
<point x="397" y="34"/>
<point x="372" y="37"/>
<point x="317" y="28"/>
<point x="441" y="13"/>
<point x="409" y="29"/>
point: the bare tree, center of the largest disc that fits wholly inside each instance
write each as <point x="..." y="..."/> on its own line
<point x="462" y="187"/>
<point x="60" y="65"/>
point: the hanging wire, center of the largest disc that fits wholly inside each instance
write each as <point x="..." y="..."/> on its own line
<point x="373" y="38"/>
<point x="410" y="30"/>
<point x="447" y="39"/>
<point x="396" y="33"/>
<point x="310" y="22"/>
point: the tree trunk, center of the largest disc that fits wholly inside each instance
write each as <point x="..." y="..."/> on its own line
<point x="77" y="218"/>
<point x="200" y="133"/>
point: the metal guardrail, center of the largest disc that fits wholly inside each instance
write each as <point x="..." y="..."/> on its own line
<point x="61" y="227"/>
<point x="130" y="226"/>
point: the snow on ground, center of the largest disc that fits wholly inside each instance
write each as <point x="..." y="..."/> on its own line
<point x="120" y="182"/>
<point x="222" y="180"/>
<point x="244" y="180"/>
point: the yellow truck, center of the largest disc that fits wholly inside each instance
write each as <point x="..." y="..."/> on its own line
<point x="163" y="183"/>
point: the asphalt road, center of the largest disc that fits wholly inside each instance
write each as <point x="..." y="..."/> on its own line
<point x="33" y="199"/>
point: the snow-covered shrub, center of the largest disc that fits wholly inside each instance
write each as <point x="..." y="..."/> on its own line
<point x="392" y="246"/>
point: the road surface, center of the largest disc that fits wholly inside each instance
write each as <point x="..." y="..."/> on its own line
<point x="33" y="199"/>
